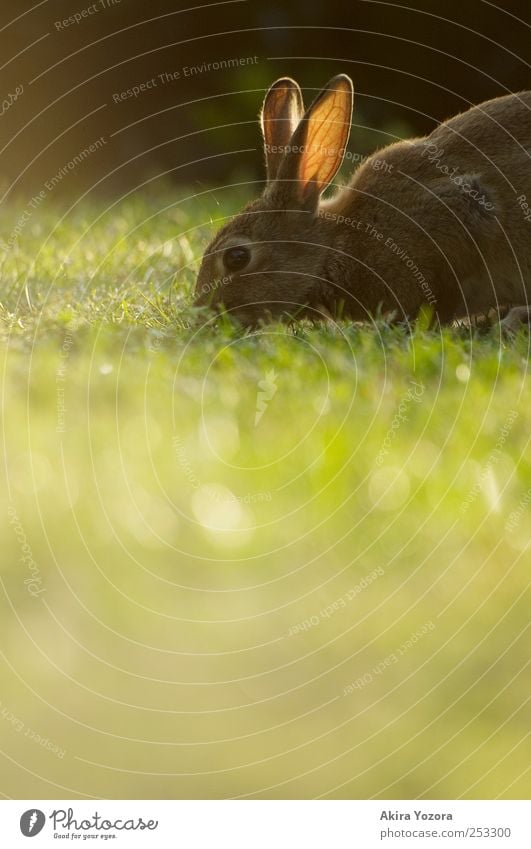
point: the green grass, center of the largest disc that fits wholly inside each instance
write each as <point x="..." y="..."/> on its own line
<point x="176" y="544"/>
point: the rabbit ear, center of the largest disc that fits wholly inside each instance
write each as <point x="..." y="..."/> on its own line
<point x="318" y="144"/>
<point x="281" y="112"/>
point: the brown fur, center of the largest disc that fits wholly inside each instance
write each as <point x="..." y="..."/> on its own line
<point x="436" y="221"/>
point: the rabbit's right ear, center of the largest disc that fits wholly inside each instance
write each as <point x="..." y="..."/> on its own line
<point x="281" y="112"/>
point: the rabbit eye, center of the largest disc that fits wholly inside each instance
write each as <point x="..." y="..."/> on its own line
<point x="236" y="258"/>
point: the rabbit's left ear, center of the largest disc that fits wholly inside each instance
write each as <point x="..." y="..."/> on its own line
<point x="318" y="144"/>
<point x="282" y="110"/>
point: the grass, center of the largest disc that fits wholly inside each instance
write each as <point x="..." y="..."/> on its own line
<point x="324" y="600"/>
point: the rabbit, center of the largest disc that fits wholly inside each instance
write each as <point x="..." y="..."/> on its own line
<point x="440" y="222"/>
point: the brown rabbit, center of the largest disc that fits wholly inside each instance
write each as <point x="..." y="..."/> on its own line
<point x="441" y="221"/>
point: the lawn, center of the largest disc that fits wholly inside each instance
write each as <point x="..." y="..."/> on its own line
<point x="291" y="563"/>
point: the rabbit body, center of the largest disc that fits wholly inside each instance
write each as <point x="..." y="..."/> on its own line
<point x="441" y="221"/>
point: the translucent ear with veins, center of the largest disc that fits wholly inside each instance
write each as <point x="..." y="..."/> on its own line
<point x="328" y="119"/>
<point x="317" y="146"/>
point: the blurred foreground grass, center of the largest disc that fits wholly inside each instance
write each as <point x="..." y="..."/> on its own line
<point x="288" y="564"/>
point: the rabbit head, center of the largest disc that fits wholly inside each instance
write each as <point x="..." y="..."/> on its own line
<point x="268" y="261"/>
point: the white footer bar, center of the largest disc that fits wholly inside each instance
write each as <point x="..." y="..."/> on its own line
<point x="267" y="824"/>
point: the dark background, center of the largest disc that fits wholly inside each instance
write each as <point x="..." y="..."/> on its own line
<point x="411" y="68"/>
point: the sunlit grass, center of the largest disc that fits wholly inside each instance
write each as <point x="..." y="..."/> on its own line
<point x="179" y="606"/>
